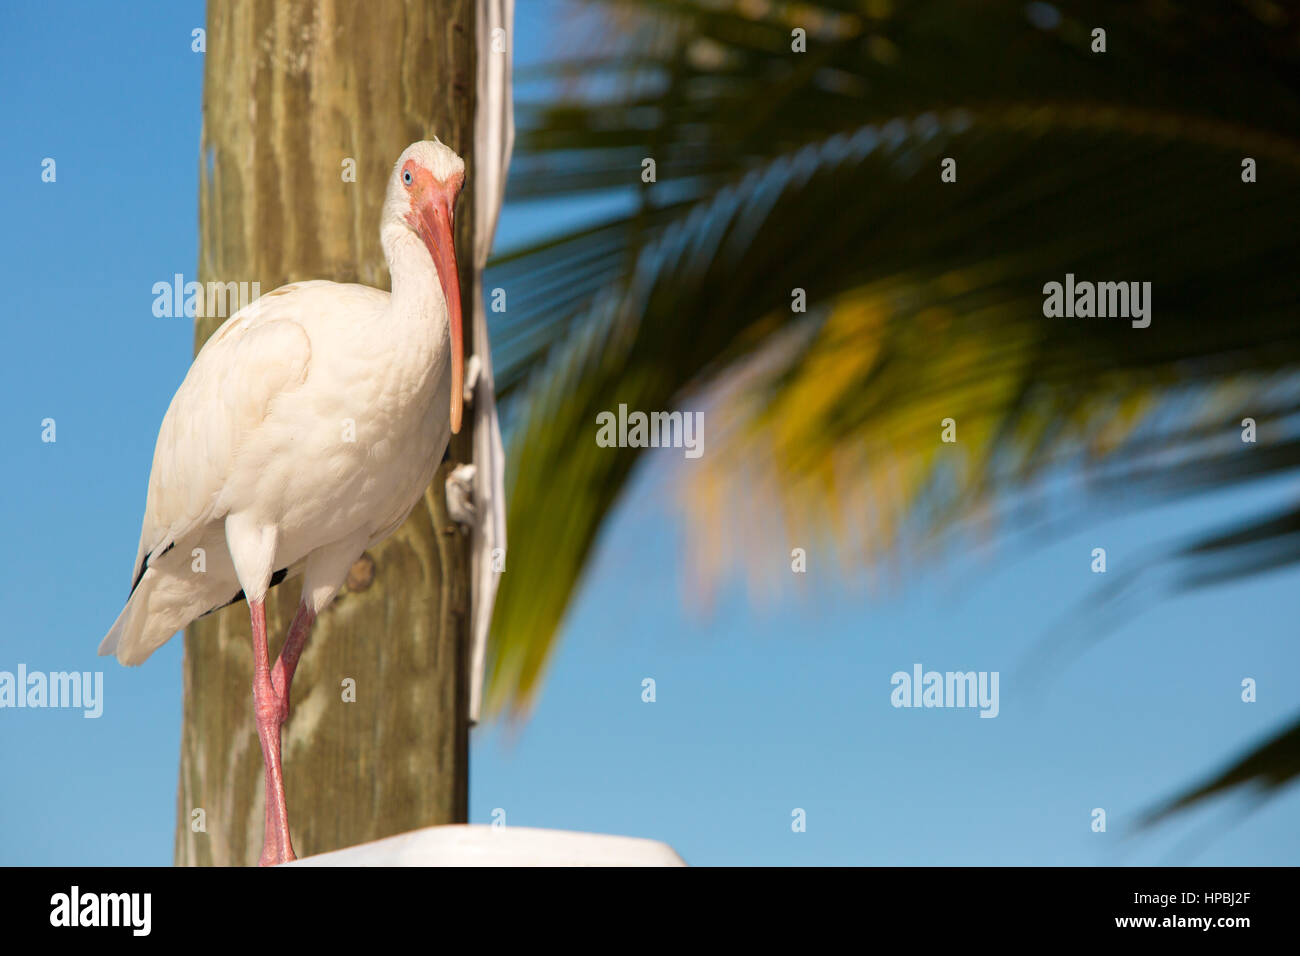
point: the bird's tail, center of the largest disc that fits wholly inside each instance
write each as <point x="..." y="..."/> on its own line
<point x="154" y="612"/>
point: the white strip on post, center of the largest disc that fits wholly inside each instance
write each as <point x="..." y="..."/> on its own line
<point x="494" y="138"/>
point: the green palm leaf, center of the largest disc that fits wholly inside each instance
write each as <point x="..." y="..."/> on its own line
<point x="925" y="297"/>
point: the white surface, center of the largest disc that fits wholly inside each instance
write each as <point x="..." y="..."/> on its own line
<point x="479" y="845"/>
<point x="494" y="138"/>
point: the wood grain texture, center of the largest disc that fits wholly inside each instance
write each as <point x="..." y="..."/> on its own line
<point x="291" y="89"/>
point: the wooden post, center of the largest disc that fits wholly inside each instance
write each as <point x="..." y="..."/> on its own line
<point x="294" y="90"/>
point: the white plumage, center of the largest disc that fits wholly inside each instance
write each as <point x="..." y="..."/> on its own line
<point x="307" y="428"/>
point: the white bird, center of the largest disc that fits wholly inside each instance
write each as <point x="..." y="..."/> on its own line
<point x="306" y="430"/>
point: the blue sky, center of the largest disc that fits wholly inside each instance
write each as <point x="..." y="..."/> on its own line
<point x="759" y="710"/>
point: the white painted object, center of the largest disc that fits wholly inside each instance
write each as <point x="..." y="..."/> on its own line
<point x="494" y="138"/>
<point x="483" y="845"/>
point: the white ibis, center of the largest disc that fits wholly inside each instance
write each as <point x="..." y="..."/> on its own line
<point x="307" y="428"/>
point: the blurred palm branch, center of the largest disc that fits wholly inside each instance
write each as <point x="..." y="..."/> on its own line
<point x="819" y="171"/>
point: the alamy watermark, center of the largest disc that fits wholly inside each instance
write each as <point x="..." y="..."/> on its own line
<point x="130" y="910"/>
<point x="655" y="430"/>
<point x="1103" y="300"/>
<point x="63" y="689"/>
<point x="178" y="298"/>
<point x="923" y="688"/>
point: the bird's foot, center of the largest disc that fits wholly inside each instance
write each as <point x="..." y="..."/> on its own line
<point x="460" y="494"/>
<point x="273" y="854"/>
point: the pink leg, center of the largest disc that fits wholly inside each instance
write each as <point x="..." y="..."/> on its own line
<point x="287" y="663"/>
<point x="276" y="847"/>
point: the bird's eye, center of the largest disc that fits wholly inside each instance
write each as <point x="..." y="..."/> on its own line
<point x="406" y="176"/>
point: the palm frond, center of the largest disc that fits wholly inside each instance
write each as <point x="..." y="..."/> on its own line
<point x="820" y="171"/>
<point x="1265" y="769"/>
<point x="936" y="313"/>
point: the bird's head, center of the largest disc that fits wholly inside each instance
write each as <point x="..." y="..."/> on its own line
<point x="422" y="192"/>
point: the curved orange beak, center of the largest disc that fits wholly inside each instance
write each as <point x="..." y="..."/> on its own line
<point x="434" y="216"/>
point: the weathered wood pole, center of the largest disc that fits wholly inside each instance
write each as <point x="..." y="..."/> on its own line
<point x="297" y="94"/>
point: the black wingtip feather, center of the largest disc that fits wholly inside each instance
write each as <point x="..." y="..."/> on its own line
<point x="144" y="566"/>
<point x="275" y="579"/>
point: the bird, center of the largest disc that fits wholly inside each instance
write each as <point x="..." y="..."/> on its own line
<point x="307" y="428"/>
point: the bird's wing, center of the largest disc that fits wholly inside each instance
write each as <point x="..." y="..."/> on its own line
<point x="258" y="353"/>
